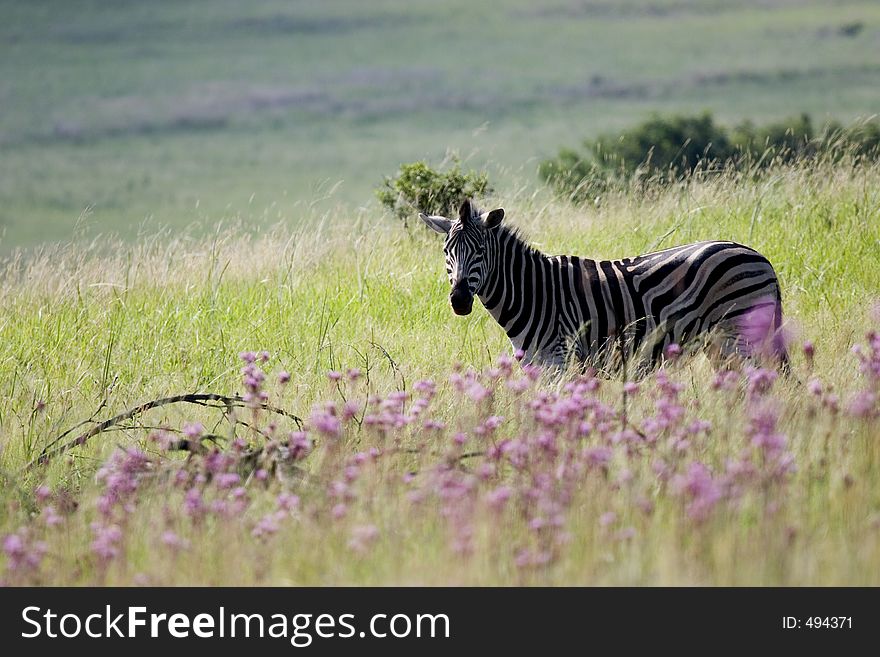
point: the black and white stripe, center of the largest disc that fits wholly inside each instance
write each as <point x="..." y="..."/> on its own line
<point x="555" y="308"/>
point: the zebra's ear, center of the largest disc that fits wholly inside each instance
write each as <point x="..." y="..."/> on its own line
<point x="494" y="218"/>
<point x="465" y="212"/>
<point x="436" y="222"/>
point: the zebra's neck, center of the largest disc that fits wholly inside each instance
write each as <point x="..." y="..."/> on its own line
<point x="514" y="290"/>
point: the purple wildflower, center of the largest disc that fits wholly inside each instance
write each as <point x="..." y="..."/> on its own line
<point x="809" y="352"/>
<point x="50" y="516"/>
<point x="700" y="489"/>
<point x="299" y="445"/>
<point x="287" y="502"/>
<point x="863" y="404"/>
<point x="324" y="420"/>
<point x="227" y="480"/>
<point x="162" y="438"/>
<point x="758" y="330"/>
<point x="194" y="430"/>
<point x="726" y="380"/>
<point x="598" y="457"/>
<point x="269" y="524"/>
<point x="42" y="494"/>
<point x="497" y="498"/>
<point x="362" y="538"/>
<point x="760" y="380"/>
<point x="193" y="504"/>
<point x="106" y="542"/>
<point x="762" y="429"/>
<point x="173" y="541"/>
<point x="23" y="554"/>
<point x="350" y="410"/>
<point x="626" y="534"/>
<point x="478" y="392"/>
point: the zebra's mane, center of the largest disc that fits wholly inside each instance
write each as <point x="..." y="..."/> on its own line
<point x="516" y="233"/>
<point x="507" y="230"/>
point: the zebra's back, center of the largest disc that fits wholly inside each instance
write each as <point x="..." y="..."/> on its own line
<point x="643" y="304"/>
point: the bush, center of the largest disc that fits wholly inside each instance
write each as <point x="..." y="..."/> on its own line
<point x="672" y="148"/>
<point x="660" y="148"/>
<point x="785" y="141"/>
<point x="419" y="188"/>
<point x="574" y="176"/>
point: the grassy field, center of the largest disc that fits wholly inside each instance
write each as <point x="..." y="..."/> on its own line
<point x="125" y="117"/>
<point x="681" y="481"/>
<point x="182" y="190"/>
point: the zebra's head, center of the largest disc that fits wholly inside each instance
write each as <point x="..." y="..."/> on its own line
<point x="467" y="258"/>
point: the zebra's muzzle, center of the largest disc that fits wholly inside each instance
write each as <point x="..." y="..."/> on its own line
<point x="461" y="300"/>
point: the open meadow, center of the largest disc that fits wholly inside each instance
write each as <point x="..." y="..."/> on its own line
<point x="188" y="221"/>
<point x="436" y="462"/>
<point x="126" y="117"/>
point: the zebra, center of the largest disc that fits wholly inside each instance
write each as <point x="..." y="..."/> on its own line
<point x="610" y="313"/>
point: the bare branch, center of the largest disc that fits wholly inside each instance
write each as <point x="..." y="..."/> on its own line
<point x="53" y="449"/>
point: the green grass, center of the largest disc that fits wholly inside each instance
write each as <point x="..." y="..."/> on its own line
<point x="168" y="315"/>
<point x="178" y="185"/>
<point x="169" y="114"/>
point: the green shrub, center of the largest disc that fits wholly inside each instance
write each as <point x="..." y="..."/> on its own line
<point x="570" y="173"/>
<point x="861" y="139"/>
<point x="784" y="141"/>
<point x="671" y="148"/>
<point x="660" y="148"/>
<point x="419" y="188"/>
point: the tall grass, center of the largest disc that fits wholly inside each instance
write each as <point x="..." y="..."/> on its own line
<point x="104" y="327"/>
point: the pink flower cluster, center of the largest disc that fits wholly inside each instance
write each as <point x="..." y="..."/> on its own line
<point x="514" y="451"/>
